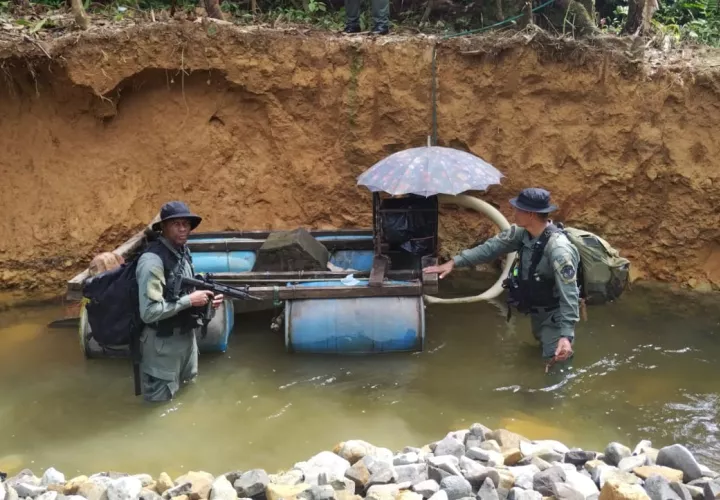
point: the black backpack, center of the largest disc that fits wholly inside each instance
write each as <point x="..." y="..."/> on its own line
<point x="113" y="309"/>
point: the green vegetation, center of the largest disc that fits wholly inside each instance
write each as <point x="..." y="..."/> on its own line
<point x="694" y="21"/>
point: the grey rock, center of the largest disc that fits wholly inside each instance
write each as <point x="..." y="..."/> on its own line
<point x="11" y="493"/>
<point x="658" y="488"/>
<point x="109" y="475"/>
<point x="440" y="495"/>
<point x="700" y="483"/>
<point x="415" y="473"/>
<point x="642" y="446"/>
<point x="456" y="487"/>
<point x="145" y="479"/>
<point x="78" y="497"/>
<point x="236" y="474"/>
<point x="551" y="456"/>
<point x="488" y="491"/>
<point x="491" y="458"/>
<point x="520" y="494"/>
<point x="678" y="457"/>
<point x="492" y="474"/>
<point x="48" y="495"/>
<point x="490" y="445"/>
<point x="406" y="458"/>
<point x="521" y="470"/>
<point x="543" y="481"/>
<point x="24" y="476"/>
<point x="681" y="490"/>
<point x="252" y="483"/>
<point x="565" y="467"/>
<point x="503" y="493"/>
<point x="426" y="488"/>
<point x="708" y="473"/>
<point x="581" y="484"/>
<point x="579" y="458"/>
<point x="316" y="492"/>
<point x="25" y="490"/>
<point x="384" y="475"/>
<point x="616" y="452"/>
<point x="696" y="493"/>
<point x="540" y="463"/>
<point x="124" y="488"/>
<point x="563" y="491"/>
<point x="450" y="446"/>
<point x="524" y="481"/>
<point x="447" y="463"/>
<point x="145" y="494"/>
<point x="290" y="478"/>
<point x="183" y="488"/>
<point x="616" y="474"/>
<point x="342" y="484"/>
<point x="52" y="476"/>
<point x="712" y="489"/>
<point x="479" y="430"/>
<point x="437" y="474"/>
<point x="222" y="489"/>
<point x="628" y="464"/>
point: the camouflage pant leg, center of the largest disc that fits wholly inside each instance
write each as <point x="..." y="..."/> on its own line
<point x="166" y="362"/>
<point x="547" y="332"/>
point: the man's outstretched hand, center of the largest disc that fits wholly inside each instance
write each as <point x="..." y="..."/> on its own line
<point x="563" y="350"/>
<point x="443" y="270"/>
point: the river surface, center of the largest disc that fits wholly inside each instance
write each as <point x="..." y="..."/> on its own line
<point x="645" y="368"/>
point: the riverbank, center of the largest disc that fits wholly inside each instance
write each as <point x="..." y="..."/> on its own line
<point x="268" y="128"/>
<point x="472" y="463"/>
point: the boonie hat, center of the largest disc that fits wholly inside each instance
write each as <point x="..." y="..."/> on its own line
<point x="533" y="200"/>
<point x="177" y="210"/>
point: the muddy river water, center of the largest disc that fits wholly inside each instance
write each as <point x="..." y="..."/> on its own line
<point x="645" y="368"/>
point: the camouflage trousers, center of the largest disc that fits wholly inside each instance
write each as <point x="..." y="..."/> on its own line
<point x="167" y="362"/>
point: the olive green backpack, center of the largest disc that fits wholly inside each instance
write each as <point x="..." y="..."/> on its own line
<point x="604" y="274"/>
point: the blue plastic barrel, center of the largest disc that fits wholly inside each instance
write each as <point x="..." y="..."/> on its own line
<point x="223" y="262"/>
<point x="363" y="325"/>
<point x="218" y="333"/>
<point x="219" y="329"/>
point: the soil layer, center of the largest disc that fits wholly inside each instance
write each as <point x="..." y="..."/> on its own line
<point x="268" y="129"/>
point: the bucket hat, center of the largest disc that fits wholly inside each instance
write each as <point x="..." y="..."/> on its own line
<point x="533" y="200"/>
<point x="177" y="210"/>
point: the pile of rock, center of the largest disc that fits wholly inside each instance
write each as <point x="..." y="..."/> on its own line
<point x="474" y="464"/>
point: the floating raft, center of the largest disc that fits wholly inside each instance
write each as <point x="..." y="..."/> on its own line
<point x="382" y="312"/>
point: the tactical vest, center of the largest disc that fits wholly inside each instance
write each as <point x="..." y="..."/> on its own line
<point x="187" y="319"/>
<point x="535" y="291"/>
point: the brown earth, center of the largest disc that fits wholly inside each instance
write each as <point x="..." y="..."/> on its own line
<point x="266" y="129"/>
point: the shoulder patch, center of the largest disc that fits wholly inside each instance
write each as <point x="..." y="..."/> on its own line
<point x="567" y="272"/>
<point x="508" y="234"/>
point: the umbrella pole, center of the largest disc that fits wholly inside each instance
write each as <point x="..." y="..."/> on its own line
<point x="434" y="97"/>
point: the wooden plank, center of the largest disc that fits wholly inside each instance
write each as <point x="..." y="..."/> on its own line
<point x="379" y="268"/>
<point x="264" y="234"/>
<point x="336" y="292"/>
<point x="399" y="275"/>
<point x="238" y="246"/>
<point x="75" y="284"/>
<point x="429" y="280"/>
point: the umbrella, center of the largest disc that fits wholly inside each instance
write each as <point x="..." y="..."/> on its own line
<point x="428" y="171"/>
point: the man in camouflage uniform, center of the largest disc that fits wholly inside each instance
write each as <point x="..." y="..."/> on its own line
<point x="168" y="343"/>
<point x="551" y="296"/>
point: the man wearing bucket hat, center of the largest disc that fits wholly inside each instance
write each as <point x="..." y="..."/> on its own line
<point x="543" y="282"/>
<point x="168" y="344"/>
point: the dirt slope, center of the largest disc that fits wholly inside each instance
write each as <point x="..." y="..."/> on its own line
<point x="269" y="129"/>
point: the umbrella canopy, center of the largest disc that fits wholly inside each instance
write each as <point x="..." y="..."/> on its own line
<point x="430" y="170"/>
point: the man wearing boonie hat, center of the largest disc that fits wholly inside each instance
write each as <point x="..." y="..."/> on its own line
<point x="544" y="286"/>
<point x="168" y="343"/>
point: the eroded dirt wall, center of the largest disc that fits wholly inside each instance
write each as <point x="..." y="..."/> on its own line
<point x="271" y="131"/>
